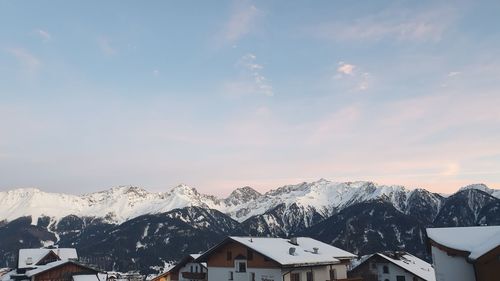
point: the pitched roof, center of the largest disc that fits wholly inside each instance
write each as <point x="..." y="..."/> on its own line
<point x="43" y="268"/>
<point x="412" y="264"/>
<point x="477" y="240"/>
<point x="181" y="263"/>
<point x="278" y="249"/>
<point x="37" y="254"/>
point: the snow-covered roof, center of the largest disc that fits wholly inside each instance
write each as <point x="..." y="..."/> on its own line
<point x="30" y="257"/>
<point x="408" y="262"/>
<point x="278" y="249"/>
<point x="195" y="256"/>
<point x="86" y="277"/>
<point x="413" y="264"/>
<point x="51" y="265"/>
<point x="477" y="240"/>
<point x="7" y="276"/>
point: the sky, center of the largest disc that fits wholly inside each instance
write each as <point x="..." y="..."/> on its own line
<point x="224" y="94"/>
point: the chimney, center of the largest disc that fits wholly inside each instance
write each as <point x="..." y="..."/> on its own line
<point x="29" y="260"/>
<point x="293" y="241"/>
<point x="315" y="250"/>
<point x="291" y="251"/>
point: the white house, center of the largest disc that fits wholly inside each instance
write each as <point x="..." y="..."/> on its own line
<point x="32" y="258"/>
<point x="275" y="259"/>
<point x="465" y="253"/>
<point x="51" y="264"/>
<point x="393" y="266"/>
<point x="187" y="269"/>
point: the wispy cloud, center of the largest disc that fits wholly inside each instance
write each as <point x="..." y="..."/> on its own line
<point x="263" y="85"/>
<point x="251" y="80"/>
<point x="393" y="24"/>
<point x="43" y="34"/>
<point x="346" y="68"/>
<point x="362" y="80"/>
<point x="106" y="46"/>
<point x="241" y="22"/>
<point x="29" y="61"/>
<point x="454" y="73"/>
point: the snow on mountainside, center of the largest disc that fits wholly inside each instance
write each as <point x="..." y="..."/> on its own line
<point x="120" y="204"/>
<point x="483" y="187"/>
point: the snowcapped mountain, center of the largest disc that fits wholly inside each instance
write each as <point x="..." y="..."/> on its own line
<point x="120" y="204"/>
<point x="130" y="228"/>
<point x="483" y="187"/>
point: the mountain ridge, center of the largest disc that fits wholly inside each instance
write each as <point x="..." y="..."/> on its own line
<point x="119" y="204"/>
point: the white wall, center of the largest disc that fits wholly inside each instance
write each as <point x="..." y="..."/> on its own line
<point x="320" y="273"/>
<point x="451" y="268"/>
<point x="261" y="274"/>
<point x="394" y="271"/>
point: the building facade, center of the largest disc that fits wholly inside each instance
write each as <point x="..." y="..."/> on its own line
<point x="465" y="253"/>
<point x="275" y="259"/>
<point x="393" y="266"/>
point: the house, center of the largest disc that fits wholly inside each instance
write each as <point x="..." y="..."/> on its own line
<point x="52" y="264"/>
<point x="32" y="258"/>
<point x="273" y="259"/>
<point x="392" y="266"/>
<point x="186" y="269"/>
<point x="465" y="253"/>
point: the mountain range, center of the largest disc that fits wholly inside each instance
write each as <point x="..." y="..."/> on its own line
<point x="129" y="228"/>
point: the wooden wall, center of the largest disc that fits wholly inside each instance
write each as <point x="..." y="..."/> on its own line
<point x="63" y="272"/>
<point x="488" y="266"/>
<point x="219" y="257"/>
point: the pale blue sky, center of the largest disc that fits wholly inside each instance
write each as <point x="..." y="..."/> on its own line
<point x="222" y="94"/>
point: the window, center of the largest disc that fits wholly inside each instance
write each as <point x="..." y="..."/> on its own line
<point x="415" y="278"/>
<point x="242" y="267"/>
<point x="400" y="278"/>
<point x="310" y="276"/>
<point x="333" y="274"/>
<point x="229" y="256"/>
<point x="374" y="265"/>
<point x="295" y="277"/>
<point x="249" y="254"/>
<point x="386" y="280"/>
<point x="385" y="269"/>
<point x="230" y="275"/>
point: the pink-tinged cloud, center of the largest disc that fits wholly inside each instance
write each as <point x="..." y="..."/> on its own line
<point x="241" y="22"/>
<point x="346" y="68"/>
<point x="28" y="61"/>
<point x="396" y="24"/>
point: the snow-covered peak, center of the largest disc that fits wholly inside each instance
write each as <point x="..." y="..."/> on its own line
<point x="121" y="203"/>
<point x="483" y="187"/>
<point x="242" y="195"/>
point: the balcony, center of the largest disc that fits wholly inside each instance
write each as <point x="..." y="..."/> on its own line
<point x="194" y="275"/>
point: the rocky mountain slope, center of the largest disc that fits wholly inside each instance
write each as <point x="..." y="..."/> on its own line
<point x="120" y="204"/>
<point x="129" y="228"/>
